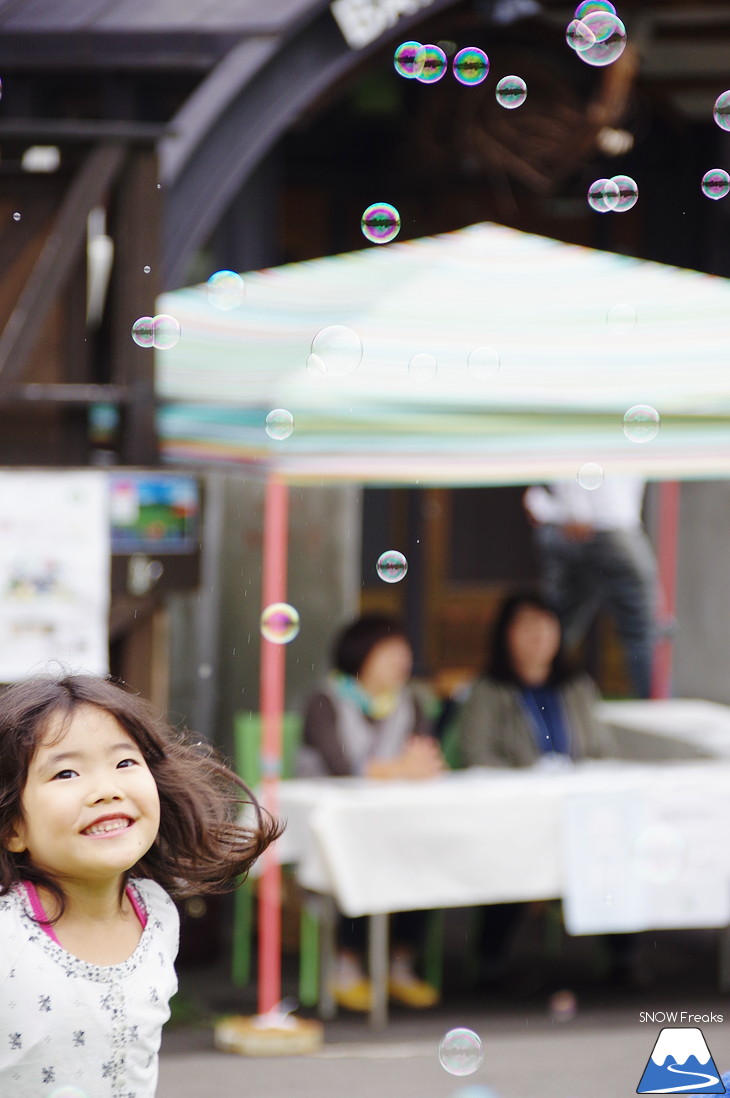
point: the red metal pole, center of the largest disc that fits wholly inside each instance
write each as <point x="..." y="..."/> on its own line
<point x="667" y="539"/>
<point x="272" y="682"/>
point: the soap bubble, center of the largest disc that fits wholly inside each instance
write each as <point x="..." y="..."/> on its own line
<point x="165" y="331"/>
<point x="432" y="62"/>
<point x="279" y="623"/>
<point x="143" y="331"/>
<point x="590" y="476"/>
<point x="621" y="318"/>
<point x="579" y="36"/>
<point x="660" y="851"/>
<point x="483" y="362"/>
<point x="603" y="195"/>
<point x="16" y="216"/>
<point x="716" y="183"/>
<point x="225" y="290"/>
<point x="628" y="192"/>
<point x="315" y="366"/>
<point x="380" y="223"/>
<point x="511" y="92"/>
<point x="338" y="348"/>
<point x="392" y="566"/>
<point x="407" y="61"/>
<point x="279" y="424"/>
<point x="641" y="423"/>
<point x="610" y="38"/>
<point x="721" y="110"/>
<point x="591" y="6"/>
<point x="461" y="1052"/>
<point x="470" y="66"/>
<point x="146" y="269"/>
<point x="423" y="367"/>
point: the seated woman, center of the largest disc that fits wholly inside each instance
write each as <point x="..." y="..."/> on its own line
<point x="365" y="720"/>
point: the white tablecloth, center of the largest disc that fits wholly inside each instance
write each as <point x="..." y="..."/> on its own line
<point x="627" y="846"/>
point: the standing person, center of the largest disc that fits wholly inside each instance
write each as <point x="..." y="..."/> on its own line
<point x="593" y="551"/>
<point x="105" y="813"/>
<point x="365" y="720"/>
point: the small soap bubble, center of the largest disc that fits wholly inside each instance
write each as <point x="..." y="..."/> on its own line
<point x="660" y="852"/>
<point x="407" y="61"/>
<point x="628" y="192"/>
<point x="165" y="331"/>
<point x="511" y="92"/>
<point x="380" y="223"/>
<point x="432" y="63"/>
<point x="579" y="36"/>
<point x="591" y="6"/>
<point x="610" y="38"/>
<point x="16" y="216"/>
<point x="562" y="1005"/>
<point x="423" y="367"/>
<point x="603" y="195"/>
<point x="721" y="110"/>
<point x="470" y="66"/>
<point x="716" y="183"/>
<point x="143" y="332"/>
<point x="641" y="423"/>
<point x="483" y="362"/>
<point x="590" y="476"/>
<point x="621" y="318"/>
<point x="338" y="348"/>
<point x="279" y="424"/>
<point x="225" y="290"/>
<point x="461" y="1052"/>
<point x="279" y="623"/>
<point x="392" y="566"/>
<point x="146" y="269"/>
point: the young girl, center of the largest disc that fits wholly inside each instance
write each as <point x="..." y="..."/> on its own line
<point x="105" y="812"/>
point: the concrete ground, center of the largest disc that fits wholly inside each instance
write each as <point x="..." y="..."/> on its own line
<point x="529" y="1052"/>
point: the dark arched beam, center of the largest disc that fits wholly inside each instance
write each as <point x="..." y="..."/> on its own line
<point x="237" y="115"/>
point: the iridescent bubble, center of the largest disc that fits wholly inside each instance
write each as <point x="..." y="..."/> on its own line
<point x="660" y="851"/>
<point x="407" y="61"/>
<point x="610" y="38"/>
<point x="338" y="348"/>
<point x="392" y="566"/>
<point x="279" y="623"/>
<point x="716" y="183"/>
<point x="603" y="195"/>
<point x="511" y="92"/>
<point x="621" y="318"/>
<point x="315" y="366"/>
<point x="16" y="216"/>
<point x="721" y="110"/>
<point x="423" y="367"/>
<point x="146" y="269"/>
<point x="432" y="62"/>
<point x="470" y="66"/>
<point x="591" y="6"/>
<point x="579" y="36"/>
<point x="279" y="424"/>
<point x="628" y="192"/>
<point x="461" y="1052"/>
<point x="225" y="290"/>
<point x="165" y="331"/>
<point x="380" y="223"/>
<point x="143" y="332"/>
<point x="590" y="476"/>
<point x="641" y="423"/>
<point x="483" y="362"/>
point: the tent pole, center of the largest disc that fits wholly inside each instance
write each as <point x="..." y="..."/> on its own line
<point x="272" y="683"/>
<point x="667" y="541"/>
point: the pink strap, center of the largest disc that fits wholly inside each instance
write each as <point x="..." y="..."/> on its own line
<point x="40" y="914"/>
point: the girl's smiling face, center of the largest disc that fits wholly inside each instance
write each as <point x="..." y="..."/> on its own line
<point x="90" y="804"/>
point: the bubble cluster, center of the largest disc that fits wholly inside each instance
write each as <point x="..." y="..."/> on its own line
<point x="590" y="476"/>
<point x="621" y="318"/>
<point x="721" y="110"/>
<point x="432" y="64"/>
<point x="609" y="37"/>
<point x="161" y="332"/>
<point x="407" y="61"/>
<point x="641" y="423"/>
<point x="279" y="623"/>
<point x="380" y="223"/>
<point x="461" y="1052"/>
<point x="423" y="367"/>
<point x="470" y="66"/>
<point x="391" y="566"/>
<point x="483" y="362"/>
<point x="279" y="424"/>
<point x="603" y="195"/>
<point x="716" y="183"/>
<point x="511" y="92"/>
<point x="225" y="290"/>
<point x="337" y="351"/>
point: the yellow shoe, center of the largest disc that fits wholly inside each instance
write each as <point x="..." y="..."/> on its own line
<point x="412" y="992"/>
<point x="354" y="996"/>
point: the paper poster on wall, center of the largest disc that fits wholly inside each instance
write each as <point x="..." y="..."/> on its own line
<point x="54" y="573"/>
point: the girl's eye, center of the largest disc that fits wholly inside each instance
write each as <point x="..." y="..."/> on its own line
<point x="127" y="762"/>
<point x="63" y="774"/>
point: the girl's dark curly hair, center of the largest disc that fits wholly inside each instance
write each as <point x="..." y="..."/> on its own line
<point x="201" y="848"/>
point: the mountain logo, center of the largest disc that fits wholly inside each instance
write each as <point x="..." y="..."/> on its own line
<point x="681" y="1063"/>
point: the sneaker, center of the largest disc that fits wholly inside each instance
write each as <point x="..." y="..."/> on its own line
<point x="412" y="992"/>
<point x="356" y="995"/>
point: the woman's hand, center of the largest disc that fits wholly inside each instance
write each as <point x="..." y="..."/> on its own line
<point x="421" y="758"/>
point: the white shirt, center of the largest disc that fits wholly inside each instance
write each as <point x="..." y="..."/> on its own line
<point x="615" y="505"/>
<point x="65" y="1022"/>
